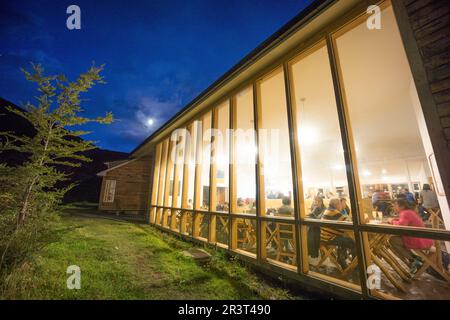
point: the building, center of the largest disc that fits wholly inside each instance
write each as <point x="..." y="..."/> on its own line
<point x="347" y="101"/>
<point x="125" y="187"/>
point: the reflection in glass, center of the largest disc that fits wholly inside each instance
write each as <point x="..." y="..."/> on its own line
<point x="244" y="153"/>
<point x="221" y="157"/>
<point x="191" y="150"/>
<point x="390" y="136"/>
<point x="179" y="166"/>
<point x="319" y="137"/>
<point x="274" y="147"/>
<point x="204" y="155"/>
<point x="162" y="176"/>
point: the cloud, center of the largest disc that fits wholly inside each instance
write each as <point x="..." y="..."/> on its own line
<point x="136" y="128"/>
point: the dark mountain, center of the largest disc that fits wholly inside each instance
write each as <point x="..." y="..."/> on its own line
<point x="89" y="184"/>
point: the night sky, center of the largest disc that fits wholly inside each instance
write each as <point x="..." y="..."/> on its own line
<point x="159" y="55"/>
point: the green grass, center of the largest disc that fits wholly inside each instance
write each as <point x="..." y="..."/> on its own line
<point x="120" y="260"/>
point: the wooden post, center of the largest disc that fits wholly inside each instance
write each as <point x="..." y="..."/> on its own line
<point x="361" y="240"/>
<point x="296" y="172"/>
<point x="259" y="167"/>
<point x="232" y="225"/>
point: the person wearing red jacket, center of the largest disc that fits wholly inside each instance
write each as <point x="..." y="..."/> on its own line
<point x="403" y="244"/>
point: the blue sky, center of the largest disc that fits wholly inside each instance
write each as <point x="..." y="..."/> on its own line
<point x="159" y="55"/>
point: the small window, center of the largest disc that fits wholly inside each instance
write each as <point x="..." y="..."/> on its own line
<point x="110" y="190"/>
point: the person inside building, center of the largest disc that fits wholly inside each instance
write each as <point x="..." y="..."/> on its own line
<point x="286" y="209"/>
<point x="427" y="201"/>
<point x="345" y="209"/>
<point x="409" y="196"/>
<point x="402" y="245"/>
<point x="316" y="212"/>
<point x="331" y="236"/>
<point x="317" y="208"/>
<point x="380" y="201"/>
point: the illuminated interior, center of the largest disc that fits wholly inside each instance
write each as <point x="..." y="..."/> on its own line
<point x="353" y="125"/>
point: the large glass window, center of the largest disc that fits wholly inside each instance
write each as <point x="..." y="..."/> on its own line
<point x="221" y="157"/>
<point x="169" y="181"/>
<point x="191" y="148"/>
<point x="274" y="147"/>
<point x="156" y="173"/>
<point x="319" y="136"/>
<point x="162" y="181"/>
<point x="393" y="153"/>
<point x="162" y="175"/>
<point x="203" y="156"/>
<point x="244" y="154"/>
<point x="179" y="167"/>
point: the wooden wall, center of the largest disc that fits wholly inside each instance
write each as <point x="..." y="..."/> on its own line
<point x="430" y="21"/>
<point x="133" y="184"/>
<point x="425" y="29"/>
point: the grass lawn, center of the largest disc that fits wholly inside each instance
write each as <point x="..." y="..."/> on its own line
<point x="121" y="260"/>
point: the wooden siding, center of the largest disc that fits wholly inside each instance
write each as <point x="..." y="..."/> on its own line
<point x="430" y="21"/>
<point x="133" y="184"/>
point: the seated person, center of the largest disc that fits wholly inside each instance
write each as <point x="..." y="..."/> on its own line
<point x="402" y="245"/>
<point x="285" y="209"/>
<point x="345" y="209"/>
<point x="330" y="236"/>
<point x="409" y="196"/>
<point x="427" y="201"/>
<point x="379" y="201"/>
<point x="317" y="208"/>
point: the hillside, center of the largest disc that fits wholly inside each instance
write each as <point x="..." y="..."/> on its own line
<point x="89" y="184"/>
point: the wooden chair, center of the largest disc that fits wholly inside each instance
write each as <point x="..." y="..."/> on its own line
<point x="248" y="239"/>
<point x="285" y="233"/>
<point x="188" y="218"/>
<point x="432" y="258"/>
<point x="435" y="219"/>
<point x="328" y="251"/>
